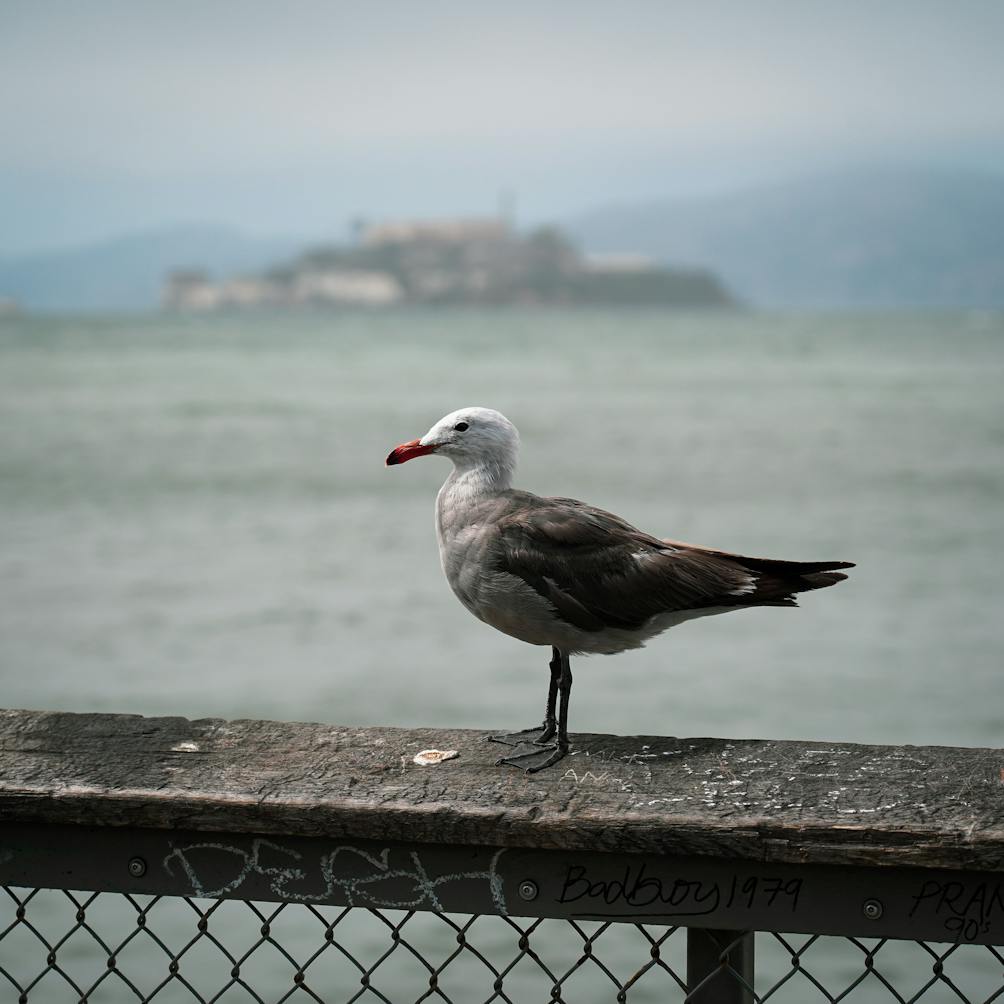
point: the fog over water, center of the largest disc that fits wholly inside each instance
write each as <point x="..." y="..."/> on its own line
<point x="121" y="116"/>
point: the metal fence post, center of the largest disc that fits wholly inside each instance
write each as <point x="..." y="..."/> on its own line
<point x="719" y="966"/>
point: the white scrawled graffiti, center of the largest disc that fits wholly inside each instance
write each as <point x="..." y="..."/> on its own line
<point x="357" y="888"/>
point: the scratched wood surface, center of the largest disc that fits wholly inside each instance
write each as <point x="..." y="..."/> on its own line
<point x="822" y="802"/>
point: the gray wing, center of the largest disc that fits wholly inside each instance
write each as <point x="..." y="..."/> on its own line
<point x="600" y="572"/>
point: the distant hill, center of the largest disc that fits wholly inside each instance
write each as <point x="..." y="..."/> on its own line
<point x="127" y="273"/>
<point x="857" y="240"/>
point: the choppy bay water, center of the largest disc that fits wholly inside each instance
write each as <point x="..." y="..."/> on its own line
<point x="196" y="519"/>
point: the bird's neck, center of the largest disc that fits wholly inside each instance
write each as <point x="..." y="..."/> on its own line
<point x="467" y="483"/>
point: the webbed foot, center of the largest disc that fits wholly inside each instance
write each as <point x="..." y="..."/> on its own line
<point x="537" y="735"/>
<point x="535" y="760"/>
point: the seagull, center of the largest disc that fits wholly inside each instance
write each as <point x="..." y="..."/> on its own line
<point x="560" y="573"/>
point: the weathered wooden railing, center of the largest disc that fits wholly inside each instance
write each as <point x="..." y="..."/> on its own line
<point x="723" y="837"/>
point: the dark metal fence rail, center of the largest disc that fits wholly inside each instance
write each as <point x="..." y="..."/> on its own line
<point x="175" y="862"/>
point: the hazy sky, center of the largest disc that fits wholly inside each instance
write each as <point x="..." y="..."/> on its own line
<point x="294" y="116"/>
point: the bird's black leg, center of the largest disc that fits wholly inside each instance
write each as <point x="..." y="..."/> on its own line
<point x="534" y="734"/>
<point x="535" y="760"/>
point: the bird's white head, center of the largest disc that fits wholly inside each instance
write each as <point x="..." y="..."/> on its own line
<point x="471" y="438"/>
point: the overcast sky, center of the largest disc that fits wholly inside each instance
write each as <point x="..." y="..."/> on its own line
<point x="294" y="116"/>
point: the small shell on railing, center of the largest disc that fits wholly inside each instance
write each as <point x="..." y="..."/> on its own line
<point x="429" y="757"/>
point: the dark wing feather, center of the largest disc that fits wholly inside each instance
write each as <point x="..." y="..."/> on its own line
<point x="600" y="572"/>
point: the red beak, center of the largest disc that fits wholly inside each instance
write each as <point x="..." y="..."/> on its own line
<point x="407" y="451"/>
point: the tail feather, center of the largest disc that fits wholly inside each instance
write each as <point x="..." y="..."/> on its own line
<point x="775" y="566"/>
<point x="820" y="580"/>
<point x="778" y="581"/>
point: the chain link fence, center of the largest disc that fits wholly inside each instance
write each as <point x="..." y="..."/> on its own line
<point x="109" y="948"/>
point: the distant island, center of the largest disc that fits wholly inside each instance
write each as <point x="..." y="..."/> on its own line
<point x="464" y="261"/>
<point x="859" y="239"/>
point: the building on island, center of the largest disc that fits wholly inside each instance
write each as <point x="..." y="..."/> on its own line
<point x="449" y="231"/>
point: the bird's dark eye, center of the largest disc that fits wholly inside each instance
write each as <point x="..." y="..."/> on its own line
<point x="461" y="427"/>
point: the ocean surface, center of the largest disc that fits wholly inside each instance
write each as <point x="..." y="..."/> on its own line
<point x="195" y="518"/>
